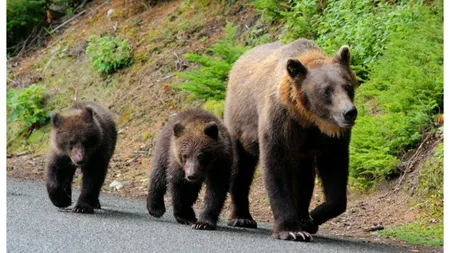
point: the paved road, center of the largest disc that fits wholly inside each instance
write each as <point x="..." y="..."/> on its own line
<point x="35" y="225"/>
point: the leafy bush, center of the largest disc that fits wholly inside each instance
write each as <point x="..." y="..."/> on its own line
<point x="363" y="25"/>
<point x="430" y="192"/>
<point x="210" y="79"/>
<point x="405" y="87"/>
<point x="108" y="54"/>
<point x="300" y="17"/>
<point x="27" y="106"/>
<point x="215" y="106"/>
<point x="22" y="17"/>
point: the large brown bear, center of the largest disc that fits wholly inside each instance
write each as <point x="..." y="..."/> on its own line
<point x="291" y="107"/>
<point x="83" y="136"/>
<point x="192" y="148"/>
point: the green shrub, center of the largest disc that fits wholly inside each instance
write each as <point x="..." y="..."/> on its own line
<point x="210" y="79"/>
<point x="300" y="17"/>
<point x="22" y="17"/>
<point x="215" y="106"/>
<point x="430" y="193"/>
<point x="405" y="87"/>
<point x="108" y="54"/>
<point x="363" y="25"/>
<point x="27" y="107"/>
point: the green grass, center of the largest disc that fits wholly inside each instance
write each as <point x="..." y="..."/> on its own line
<point x="417" y="233"/>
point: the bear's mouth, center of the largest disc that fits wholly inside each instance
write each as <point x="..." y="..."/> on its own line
<point x="341" y="122"/>
<point x="347" y="125"/>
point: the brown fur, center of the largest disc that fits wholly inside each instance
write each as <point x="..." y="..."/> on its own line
<point x="192" y="148"/>
<point x="83" y="136"/>
<point x="291" y="107"/>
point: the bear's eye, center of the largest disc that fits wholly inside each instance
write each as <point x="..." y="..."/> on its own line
<point x="348" y="87"/>
<point x="71" y="143"/>
<point x="327" y="91"/>
<point x="184" y="157"/>
<point x="200" y="156"/>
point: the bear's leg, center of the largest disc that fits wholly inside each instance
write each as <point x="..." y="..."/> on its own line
<point x="158" y="188"/>
<point x="94" y="174"/>
<point x="184" y="194"/>
<point x="333" y="172"/>
<point x="60" y="173"/>
<point x="278" y="166"/>
<point x="240" y="188"/>
<point x="303" y="186"/>
<point x="217" y="185"/>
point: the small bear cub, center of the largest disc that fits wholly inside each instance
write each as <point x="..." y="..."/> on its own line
<point x="193" y="147"/>
<point x="82" y="137"/>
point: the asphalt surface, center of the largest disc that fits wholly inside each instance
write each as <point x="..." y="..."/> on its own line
<point x="123" y="225"/>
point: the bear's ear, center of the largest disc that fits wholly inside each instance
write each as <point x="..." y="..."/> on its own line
<point x="88" y="114"/>
<point x="56" y="119"/>
<point x="343" y="56"/>
<point x="212" y="130"/>
<point x="178" y="129"/>
<point x="296" y="69"/>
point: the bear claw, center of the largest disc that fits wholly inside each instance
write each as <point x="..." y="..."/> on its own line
<point x="82" y="209"/>
<point x="244" y="223"/>
<point x="201" y="225"/>
<point x="301" y="236"/>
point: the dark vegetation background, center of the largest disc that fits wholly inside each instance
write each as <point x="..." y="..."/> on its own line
<point x="149" y="59"/>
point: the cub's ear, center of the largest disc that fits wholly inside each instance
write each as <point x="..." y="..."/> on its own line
<point x="178" y="129"/>
<point x="343" y="56"/>
<point x="88" y="114"/>
<point x="296" y="69"/>
<point x="212" y="130"/>
<point x="56" y="119"/>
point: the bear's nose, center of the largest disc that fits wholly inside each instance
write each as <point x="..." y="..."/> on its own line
<point x="192" y="177"/>
<point x="350" y="113"/>
<point x="80" y="162"/>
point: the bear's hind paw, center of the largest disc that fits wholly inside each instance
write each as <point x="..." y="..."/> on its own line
<point x="301" y="236"/>
<point x="243" y="223"/>
<point x="203" y="225"/>
<point x="83" y="209"/>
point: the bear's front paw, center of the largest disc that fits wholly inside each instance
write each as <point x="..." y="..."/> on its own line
<point x="204" y="225"/>
<point x="185" y="220"/>
<point x="156" y="209"/>
<point x="309" y="225"/>
<point x="59" y="197"/>
<point x="83" y="208"/>
<point x="243" y="223"/>
<point x="97" y="205"/>
<point x="301" y="236"/>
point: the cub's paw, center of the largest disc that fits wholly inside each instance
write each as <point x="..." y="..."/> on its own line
<point x="156" y="209"/>
<point x="243" y="223"/>
<point x="309" y="225"/>
<point x="59" y="197"/>
<point x="301" y="236"/>
<point x="97" y="205"/>
<point x="204" y="225"/>
<point x="185" y="220"/>
<point x="83" y="208"/>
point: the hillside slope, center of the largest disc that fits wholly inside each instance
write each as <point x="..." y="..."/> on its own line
<point x="142" y="99"/>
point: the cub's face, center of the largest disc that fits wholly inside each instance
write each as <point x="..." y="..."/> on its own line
<point x="76" y="135"/>
<point x="327" y="91"/>
<point x="194" y="147"/>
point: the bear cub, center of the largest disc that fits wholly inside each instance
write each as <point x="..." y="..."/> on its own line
<point x="193" y="147"/>
<point x="82" y="137"/>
